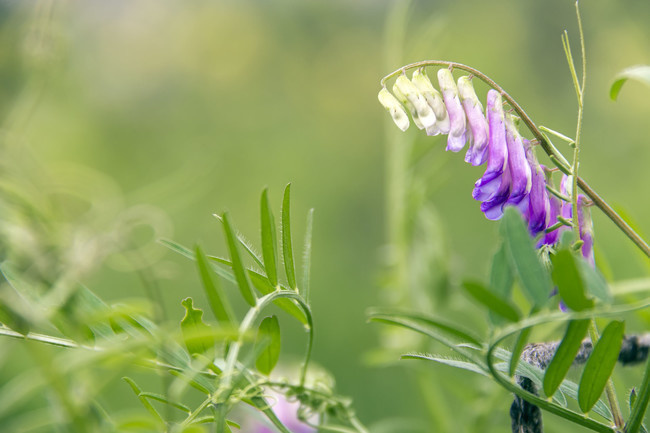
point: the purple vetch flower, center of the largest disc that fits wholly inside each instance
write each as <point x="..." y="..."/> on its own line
<point x="392" y="105"/>
<point x="493" y="207"/>
<point x="520" y="172"/>
<point x="457" y="137"/>
<point x="478" y="127"/>
<point x="539" y="206"/>
<point x="433" y="98"/>
<point x="423" y="116"/>
<point x="497" y="160"/>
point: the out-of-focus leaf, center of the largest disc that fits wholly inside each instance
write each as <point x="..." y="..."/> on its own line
<point x="494" y="303"/>
<point x="145" y="402"/>
<point x="192" y="326"/>
<point x="287" y="248"/>
<point x="163" y="399"/>
<point x="469" y="366"/>
<point x="564" y="355"/>
<point x="594" y="281"/>
<point x="262" y="405"/>
<point x="268" y="345"/>
<point x="213" y="290"/>
<point x="600" y="365"/>
<point x="501" y="278"/>
<point x="520" y="344"/>
<point x="241" y="275"/>
<point x="186" y="252"/>
<point x="269" y="241"/>
<point x="569" y="281"/>
<point x="640" y="73"/>
<point x="532" y="274"/>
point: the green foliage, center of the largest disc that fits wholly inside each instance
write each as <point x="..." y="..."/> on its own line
<point x="568" y="280"/>
<point x="268" y="345"/>
<point x="532" y="275"/>
<point x="600" y="365"/>
<point x="494" y="303"/>
<point x="639" y="73"/>
<point x="564" y="355"/>
<point x="287" y="248"/>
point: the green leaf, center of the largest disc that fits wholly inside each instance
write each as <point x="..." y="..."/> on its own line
<point x="306" y="256"/>
<point x="213" y="290"/>
<point x="263" y="285"/>
<point x="594" y="281"/>
<point x="163" y="399"/>
<point x="287" y="249"/>
<point x="639" y="73"/>
<point x="424" y="328"/>
<point x="564" y="355"/>
<point x="186" y="252"/>
<point x="268" y="345"/>
<point x="532" y="274"/>
<point x="452" y="330"/>
<point x="600" y="365"/>
<point x="469" y="366"/>
<point x="494" y="303"/>
<point x="241" y="275"/>
<point x="263" y="406"/>
<point x="194" y="329"/>
<point x="501" y="279"/>
<point x="518" y="348"/>
<point x="569" y="281"/>
<point x="269" y="241"/>
<point x="145" y="402"/>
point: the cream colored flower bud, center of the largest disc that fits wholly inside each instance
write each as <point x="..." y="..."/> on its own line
<point x="433" y="98"/>
<point x="393" y="106"/>
<point x="422" y="110"/>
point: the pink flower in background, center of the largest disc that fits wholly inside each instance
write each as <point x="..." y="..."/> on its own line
<point x="286" y="411"/>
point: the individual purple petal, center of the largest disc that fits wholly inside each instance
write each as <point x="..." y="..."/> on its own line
<point x="493" y="208"/>
<point x="478" y="127"/>
<point x="551" y="238"/>
<point x="520" y="171"/>
<point x="539" y="208"/>
<point x="456" y="138"/>
<point x="433" y="98"/>
<point x="487" y="186"/>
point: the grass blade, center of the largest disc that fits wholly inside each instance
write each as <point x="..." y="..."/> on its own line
<point x="287" y="248"/>
<point x="243" y="282"/>
<point x="494" y="303"/>
<point x="469" y="366"/>
<point x="564" y="355"/>
<point x="217" y="298"/>
<point x="269" y="240"/>
<point x="600" y="365"/>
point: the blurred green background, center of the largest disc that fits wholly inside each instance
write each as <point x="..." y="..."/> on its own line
<point x="167" y="112"/>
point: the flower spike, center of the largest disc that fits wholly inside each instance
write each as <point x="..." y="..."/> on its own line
<point x="457" y="137"/>
<point x="478" y="128"/>
<point x="392" y="105"/>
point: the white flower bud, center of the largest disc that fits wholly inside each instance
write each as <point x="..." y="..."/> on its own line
<point x="422" y="110"/>
<point x="433" y="98"/>
<point x="392" y="105"/>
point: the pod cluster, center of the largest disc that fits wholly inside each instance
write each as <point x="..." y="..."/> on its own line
<point x="513" y="176"/>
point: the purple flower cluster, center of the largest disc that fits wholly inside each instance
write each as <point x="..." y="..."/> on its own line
<point x="512" y="177"/>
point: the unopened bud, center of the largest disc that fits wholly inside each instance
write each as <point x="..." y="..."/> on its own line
<point x="392" y="105"/>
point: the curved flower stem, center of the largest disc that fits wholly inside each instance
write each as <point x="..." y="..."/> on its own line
<point x="553" y="154"/>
